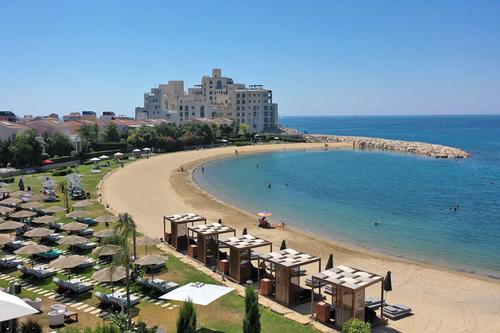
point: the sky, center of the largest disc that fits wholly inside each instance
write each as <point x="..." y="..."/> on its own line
<point x="318" y="57"/>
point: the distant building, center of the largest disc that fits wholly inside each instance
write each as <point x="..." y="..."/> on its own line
<point x="89" y="115"/>
<point x="8" y="116"/>
<point x="9" y="129"/>
<point x="72" y="116"/>
<point x="108" y="115"/>
<point x="49" y="126"/>
<point x="216" y="97"/>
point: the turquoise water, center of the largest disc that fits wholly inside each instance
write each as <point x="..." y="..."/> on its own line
<point x="342" y="194"/>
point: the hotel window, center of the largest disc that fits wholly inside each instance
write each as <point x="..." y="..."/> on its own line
<point x="242" y="108"/>
<point x="238" y="108"/>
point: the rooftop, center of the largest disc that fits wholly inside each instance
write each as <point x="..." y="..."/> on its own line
<point x="185" y="218"/>
<point x="348" y="277"/>
<point x="289" y="258"/>
<point x="245" y="242"/>
<point x="211" y="229"/>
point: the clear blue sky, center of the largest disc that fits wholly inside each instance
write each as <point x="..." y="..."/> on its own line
<point x="319" y="57"/>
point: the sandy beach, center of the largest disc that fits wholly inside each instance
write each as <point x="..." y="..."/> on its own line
<point x="442" y="300"/>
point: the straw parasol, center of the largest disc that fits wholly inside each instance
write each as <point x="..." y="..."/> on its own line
<point x="11" y="225"/>
<point x="74" y="226"/>
<point x="18" y="194"/>
<point x="78" y="214"/>
<point x="36" y="197"/>
<point x="46" y="219"/>
<point x="105" y="233"/>
<point x="73" y="240"/>
<point x="31" y="205"/>
<point x="145" y="241"/>
<point x="5" y="240"/>
<point x="38" y="233"/>
<point x="107" y="250"/>
<point x="54" y="209"/>
<point x="151" y="260"/>
<point x="32" y="249"/>
<point x="84" y="203"/>
<point x="6" y="210"/>
<point x="22" y="214"/>
<point x="4" y="189"/>
<point x="11" y="202"/>
<point x="110" y="274"/>
<point x="106" y="218"/>
<point x="67" y="262"/>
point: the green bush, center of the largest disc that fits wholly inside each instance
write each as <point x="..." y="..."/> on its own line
<point x="356" y="326"/>
<point x="251" y="322"/>
<point x="30" y="326"/>
<point x="61" y="172"/>
<point x="186" y="322"/>
<point x="242" y="143"/>
<point x="8" y="180"/>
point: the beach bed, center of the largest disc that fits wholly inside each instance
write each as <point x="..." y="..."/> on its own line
<point x="157" y="285"/>
<point x="39" y="272"/>
<point x="75" y="286"/>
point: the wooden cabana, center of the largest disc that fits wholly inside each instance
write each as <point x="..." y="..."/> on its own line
<point x="284" y="267"/>
<point x="207" y="240"/>
<point x="240" y="255"/>
<point x="178" y="236"/>
<point x="346" y="286"/>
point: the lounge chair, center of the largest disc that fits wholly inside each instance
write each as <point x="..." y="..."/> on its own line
<point x="51" y="254"/>
<point x="55" y="237"/>
<point x="373" y="303"/>
<point x="10" y="262"/>
<point x="396" y="311"/>
<point x="85" y="246"/>
<point x="157" y="285"/>
<point x="88" y="263"/>
<point x="36" y="303"/>
<point x="39" y="272"/>
<point x="17" y="244"/>
<point x="86" y="232"/>
<point x="75" y="285"/>
<point x="120" y="300"/>
<point x="87" y="220"/>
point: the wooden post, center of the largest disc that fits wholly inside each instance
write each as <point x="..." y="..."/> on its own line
<point x="382" y="299"/>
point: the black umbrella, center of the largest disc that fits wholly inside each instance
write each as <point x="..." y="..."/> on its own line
<point x="283" y="245"/>
<point x="329" y="264"/>
<point x="245" y="231"/>
<point x="387" y="283"/>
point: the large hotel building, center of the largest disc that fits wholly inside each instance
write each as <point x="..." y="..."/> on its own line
<point x="216" y="97"/>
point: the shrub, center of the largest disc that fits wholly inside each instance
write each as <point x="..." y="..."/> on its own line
<point x="8" y="180"/>
<point x="186" y="322"/>
<point x="242" y="143"/>
<point x="61" y="172"/>
<point x="31" y="326"/>
<point x="356" y="326"/>
<point x="251" y="322"/>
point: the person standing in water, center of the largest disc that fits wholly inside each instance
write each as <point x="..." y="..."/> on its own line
<point x="202" y="169"/>
<point x="269" y="186"/>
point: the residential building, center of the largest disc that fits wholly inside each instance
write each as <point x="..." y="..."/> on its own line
<point x="72" y="116"/>
<point x="8" y="116"/>
<point x="216" y="97"/>
<point x="9" y="129"/>
<point x="107" y="115"/>
<point x="89" y="115"/>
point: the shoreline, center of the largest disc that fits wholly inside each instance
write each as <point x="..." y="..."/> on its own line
<point x="149" y="189"/>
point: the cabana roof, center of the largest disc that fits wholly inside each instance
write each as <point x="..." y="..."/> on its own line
<point x="211" y="229"/>
<point x="185" y="218"/>
<point x="348" y="277"/>
<point x="289" y="258"/>
<point x="245" y="242"/>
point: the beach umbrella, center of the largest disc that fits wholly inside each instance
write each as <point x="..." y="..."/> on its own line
<point x="22" y="214"/>
<point x="78" y="214"/>
<point x="4" y="239"/>
<point x="84" y="203"/>
<point x="6" y="210"/>
<point x="388" y="283"/>
<point x="118" y="154"/>
<point x="245" y="231"/>
<point x="31" y="205"/>
<point x="105" y="233"/>
<point x="68" y="262"/>
<point x="13" y="307"/>
<point x="103" y="157"/>
<point x="150" y="260"/>
<point x="49" y="183"/>
<point x="32" y="249"/>
<point x="74" y="226"/>
<point x="283" y="245"/>
<point x="10" y="225"/>
<point x="110" y="274"/>
<point x="145" y="241"/>
<point x="38" y="233"/>
<point x="10" y="202"/>
<point x="94" y="159"/>
<point x="147" y="149"/>
<point x="136" y="150"/>
<point x="106" y="219"/>
<point x="107" y="250"/>
<point x="73" y="240"/>
<point x="329" y="264"/>
<point x="265" y="214"/>
<point x="54" y="209"/>
<point x="46" y="219"/>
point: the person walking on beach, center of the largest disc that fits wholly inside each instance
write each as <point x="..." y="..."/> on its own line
<point x="236" y="152"/>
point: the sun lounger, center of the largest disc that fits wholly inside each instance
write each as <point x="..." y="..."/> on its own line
<point x="373" y="303"/>
<point x="86" y="232"/>
<point x="396" y="311"/>
<point x="157" y="285"/>
<point x="85" y="246"/>
<point x="75" y="286"/>
<point x="51" y="254"/>
<point x="39" y="272"/>
<point x="17" y="244"/>
<point x="55" y="237"/>
<point x="88" y="263"/>
<point x="34" y="303"/>
<point x="116" y="299"/>
<point x="10" y="262"/>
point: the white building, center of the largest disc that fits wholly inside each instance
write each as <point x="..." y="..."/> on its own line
<point x="215" y="97"/>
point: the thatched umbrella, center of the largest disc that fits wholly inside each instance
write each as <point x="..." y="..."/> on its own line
<point x="73" y="240"/>
<point x="22" y="214"/>
<point x="32" y="249"/>
<point x="54" y="209"/>
<point x="106" y="219"/>
<point x="145" y="241"/>
<point x="6" y="210"/>
<point x="19" y="194"/>
<point x="283" y="245"/>
<point x="38" y="233"/>
<point x="4" y="239"/>
<point x="31" y="205"/>
<point x="67" y="262"/>
<point x="151" y="260"/>
<point x="46" y="219"/>
<point x="74" y="226"/>
<point x="105" y="233"/>
<point x="10" y="202"/>
<point x="10" y="225"/>
<point x="78" y="214"/>
<point x="107" y="250"/>
<point x="4" y="189"/>
<point x="110" y="274"/>
<point x="84" y="203"/>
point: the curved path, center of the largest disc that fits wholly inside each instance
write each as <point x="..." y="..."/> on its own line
<point x="442" y="301"/>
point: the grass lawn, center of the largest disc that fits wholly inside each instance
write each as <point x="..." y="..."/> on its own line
<point x="223" y="315"/>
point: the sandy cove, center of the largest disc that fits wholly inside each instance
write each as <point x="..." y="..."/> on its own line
<point x="442" y="300"/>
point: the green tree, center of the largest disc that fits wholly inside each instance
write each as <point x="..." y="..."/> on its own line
<point x="89" y="135"/>
<point x="110" y="133"/>
<point x="251" y="322"/>
<point x="5" y="152"/>
<point x="30" y="326"/>
<point x="244" y="130"/>
<point x="59" y="144"/>
<point x="356" y="326"/>
<point x="186" y="322"/>
<point x="26" y="150"/>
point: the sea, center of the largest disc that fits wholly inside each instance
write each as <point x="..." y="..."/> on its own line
<point x="439" y="211"/>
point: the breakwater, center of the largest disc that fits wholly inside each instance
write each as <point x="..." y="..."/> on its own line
<point x="422" y="148"/>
